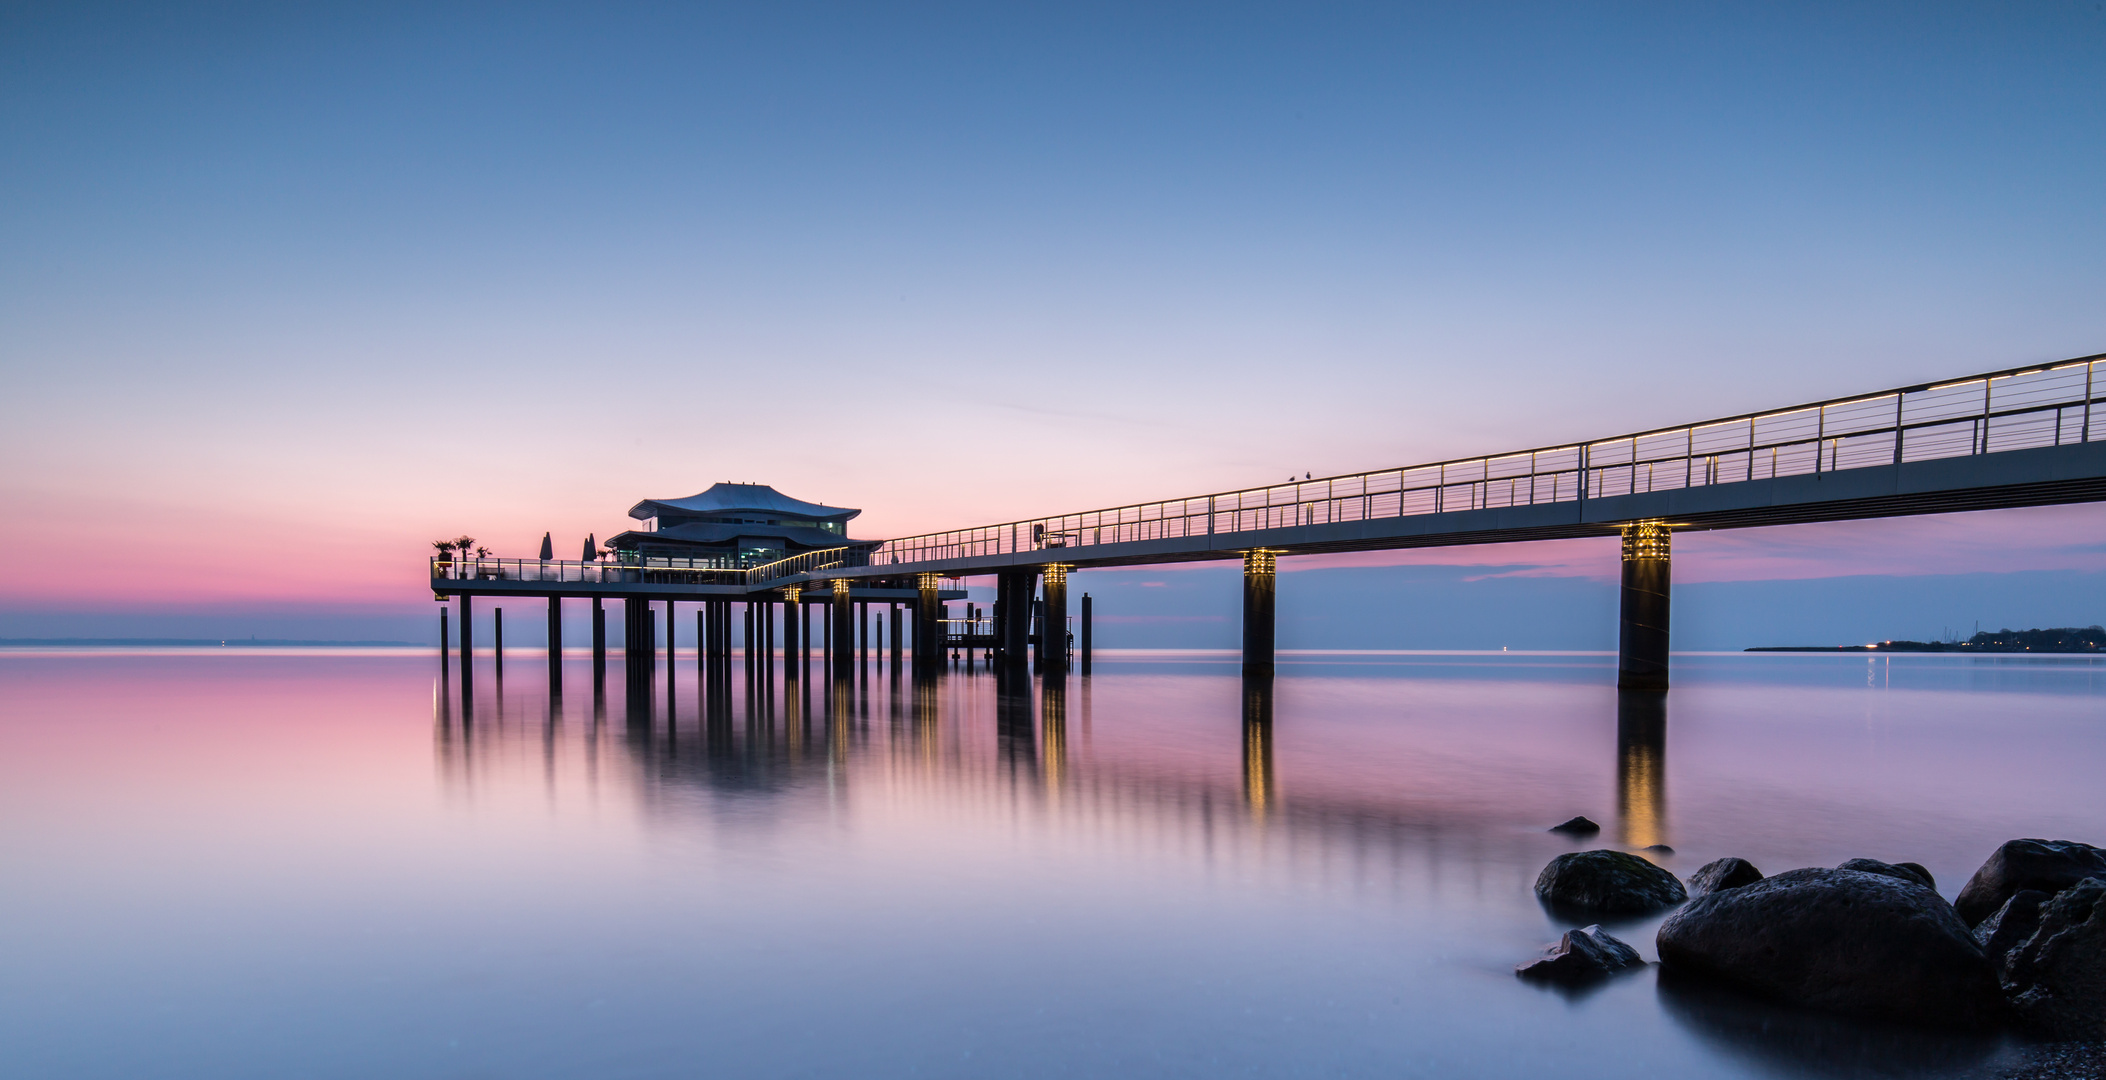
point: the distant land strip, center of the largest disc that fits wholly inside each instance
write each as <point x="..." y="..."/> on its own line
<point x="2062" y="639"/>
<point x="161" y="642"/>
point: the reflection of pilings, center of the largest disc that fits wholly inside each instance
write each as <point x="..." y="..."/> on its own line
<point x="1017" y="742"/>
<point x="1641" y="766"/>
<point x="1258" y="790"/>
<point x="1053" y="715"/>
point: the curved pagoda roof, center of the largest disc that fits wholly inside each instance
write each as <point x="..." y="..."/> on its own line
<point x="736" y="498"/>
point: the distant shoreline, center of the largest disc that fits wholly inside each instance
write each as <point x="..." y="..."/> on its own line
<point x="214" y="643"/>
<point x="1928" y="647"/>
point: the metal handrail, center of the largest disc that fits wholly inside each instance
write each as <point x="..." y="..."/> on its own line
<point x="2012" y="409"/>
<point x="610" y="572"/>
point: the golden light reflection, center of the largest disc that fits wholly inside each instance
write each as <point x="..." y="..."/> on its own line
<point x="1641" y="767"/>
<point x="1258" y="789"/>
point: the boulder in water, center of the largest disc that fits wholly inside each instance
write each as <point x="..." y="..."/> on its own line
<point x="2056" y="979"/>
<point x="1726" y="873"/>
<point x="1846" y="941"/>
<point x="2049" y="866"/>
<point x="1607" y="881"/>
<point x="1580" y="957"/>
<point x="1578" y="826"/>
<point x="1909" y="872"/>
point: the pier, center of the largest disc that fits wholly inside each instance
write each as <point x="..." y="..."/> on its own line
<point x="2013" y="438"/>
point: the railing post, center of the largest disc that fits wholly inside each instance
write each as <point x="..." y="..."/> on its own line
<point x="1988" y="385"/>
<point x="2088" y="366"/>
<point x="1900" y="396"/>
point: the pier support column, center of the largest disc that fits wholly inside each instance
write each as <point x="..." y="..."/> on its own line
<point x="1013" y="616"/>
<point x="444" y="645"/>
<point x="840" y="640"/>
<point x="467" y="652"/>
<point x="1260" y="569"/>
<point x="599" y="641"/>
<point x="555" y="645"/>
<point x="497" y="646"/>
<point x="928" y="632"/>
<point x="793" y="640"/>
<point x="1641" y="633"/>
<point x="896" y="643"/>
<point x="1054" y="632"/>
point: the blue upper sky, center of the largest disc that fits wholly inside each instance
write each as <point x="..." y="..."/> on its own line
<point x="336" y="278"/>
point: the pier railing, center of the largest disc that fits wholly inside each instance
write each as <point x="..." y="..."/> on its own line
<point x="609" y="572"/>
<point x="2043" y="405"/>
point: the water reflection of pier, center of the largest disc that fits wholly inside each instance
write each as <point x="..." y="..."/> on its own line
<point x="986" y="745"/>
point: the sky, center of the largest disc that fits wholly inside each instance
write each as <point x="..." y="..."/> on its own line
<point x="287" y="291"/>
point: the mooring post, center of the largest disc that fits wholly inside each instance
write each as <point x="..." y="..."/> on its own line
<point x="1054" y="632"/>
<point x="555" y="645"/>
<point x="1260" y="571"/>
<point x="1641" y="632"/>
<point x="1085" y="633"/>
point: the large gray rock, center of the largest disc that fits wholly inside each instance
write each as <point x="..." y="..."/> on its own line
<point x="2056" y="980"/>
<point x="1845" y="941"/>
<point x="2047" y="865"/>
<point x="2011" y="926"/>
<point x="1726" y="873"/>
<point x="1607" y="881"/>
<point x="1580" y="957"/>
<point x="1913" y="873"/>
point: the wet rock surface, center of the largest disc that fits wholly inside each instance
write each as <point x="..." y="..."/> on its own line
<point x="1726" y="873"/>
<point x="1607" y="881"/>
<point x="1581" y="957"/>
<point x="2056" y="978"/>
<point x="1909" y="872"/>
<point x="2011" y="925"/>
<point x="2048" y="866"/>
<point x="1846" y="941"/>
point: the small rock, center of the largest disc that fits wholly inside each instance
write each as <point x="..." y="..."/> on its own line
<point x="1608" y="881"/>
<point x="2056" y="980"/>
<point x="1909" y="872"/>
<point x="1661" y="848"/>
<point x="1581" y="956"/>
<point x="2011" y="925"/>
<point x="2049" y="866"/>
<point x="1726" y="873"/>
<point x="1578" y="826"/>
<point x="1845" y="941"/>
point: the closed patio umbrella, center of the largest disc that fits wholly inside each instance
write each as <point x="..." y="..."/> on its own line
<point x="547" y="552"/>
<point x="589" y="546"/>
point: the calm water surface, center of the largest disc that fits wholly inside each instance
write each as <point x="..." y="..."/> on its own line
<point x="309" y="865"/>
